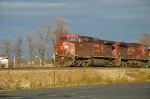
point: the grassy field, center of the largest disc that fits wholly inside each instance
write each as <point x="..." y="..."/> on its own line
<point x="60" y="78"/>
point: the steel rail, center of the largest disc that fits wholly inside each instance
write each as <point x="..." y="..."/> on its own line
<point x="59" y="68"/>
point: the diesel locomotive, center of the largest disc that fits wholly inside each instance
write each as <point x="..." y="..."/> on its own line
<point x="76" y="50"/>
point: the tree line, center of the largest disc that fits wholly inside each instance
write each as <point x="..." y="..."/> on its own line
<point x="39" y="44"/>
<point x="36" y="45"/>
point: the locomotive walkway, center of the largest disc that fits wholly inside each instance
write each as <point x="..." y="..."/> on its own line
<point x="110" y="91"/>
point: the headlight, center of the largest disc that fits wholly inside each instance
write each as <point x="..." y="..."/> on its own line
<point x="65" y="45"/>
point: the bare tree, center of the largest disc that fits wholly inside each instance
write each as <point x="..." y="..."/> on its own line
<point x="60" y="28"/>
<point x="145" y="39"/>
<point x="7" y="44"/>
<point x="42" y="43"/>
<point x="19" y="51"/>
<point x="30" y="47"/>
<point x="49" y="34"/>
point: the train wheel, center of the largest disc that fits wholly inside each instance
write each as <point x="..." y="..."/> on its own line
<point x="124" y="64"/>
<point x="117" y="62"/>
<point x="56" y="64"/>
<point x="62" y="62"/>
<point x="144" y="65"/>
<point x="67" y="63"/>
<point x="78" y="63"/>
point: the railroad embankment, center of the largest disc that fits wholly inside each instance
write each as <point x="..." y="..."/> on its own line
<point x="70" y="77"/>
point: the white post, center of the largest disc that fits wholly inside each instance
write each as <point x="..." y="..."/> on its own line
<point x="40" y="61"/>
<point x="14" y="62"/>
<point x="6" y="63"/>
<point x="54" y="57"/>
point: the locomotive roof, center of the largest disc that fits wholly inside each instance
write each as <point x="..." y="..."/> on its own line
<point x="65" y="35"/>
<point x="99" y="40"/>
<point x="135" y="44"/>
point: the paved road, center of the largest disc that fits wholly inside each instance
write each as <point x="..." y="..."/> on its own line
<point x="110" y="91"/>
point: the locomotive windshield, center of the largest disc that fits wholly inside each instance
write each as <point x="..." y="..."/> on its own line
<point x="62" y="39"/>
<point x="72" y="39"/>
<point x="68" y="39"/>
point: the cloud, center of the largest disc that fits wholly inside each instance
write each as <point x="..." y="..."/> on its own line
<point x="123" y="2"/>
<point x="102" y="17"/>
<point x="130" y="17"/>
<point x="24" y="13"/>
<point x="30" y="5"/>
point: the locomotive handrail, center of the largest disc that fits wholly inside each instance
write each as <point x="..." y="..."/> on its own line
<point x="69" y="52"/>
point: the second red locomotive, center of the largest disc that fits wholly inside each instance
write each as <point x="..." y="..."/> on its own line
<point x="76" y="50"/>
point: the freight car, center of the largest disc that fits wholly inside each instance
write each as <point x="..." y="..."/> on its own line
<point x="76" y="50"/>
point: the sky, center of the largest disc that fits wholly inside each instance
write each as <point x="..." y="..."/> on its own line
<point x="117" y="20"/>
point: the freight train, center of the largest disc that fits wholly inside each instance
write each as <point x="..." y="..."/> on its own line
<point x="76" y="50"/>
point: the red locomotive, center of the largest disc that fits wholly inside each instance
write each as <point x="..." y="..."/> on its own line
<point x="76" y="50"/>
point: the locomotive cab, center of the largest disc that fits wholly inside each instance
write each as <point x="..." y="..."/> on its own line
<point x="67" y="37"/>
<point x="65" y="48"/>
<point x="64" y="42"/>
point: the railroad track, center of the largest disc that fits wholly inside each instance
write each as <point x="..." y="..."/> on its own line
<point x="59" y="68"/>
<point x="28" y="68"/>
<point x="50" y="68"/>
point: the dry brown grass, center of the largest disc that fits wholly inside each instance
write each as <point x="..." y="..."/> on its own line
<point x="60" y="78"/>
